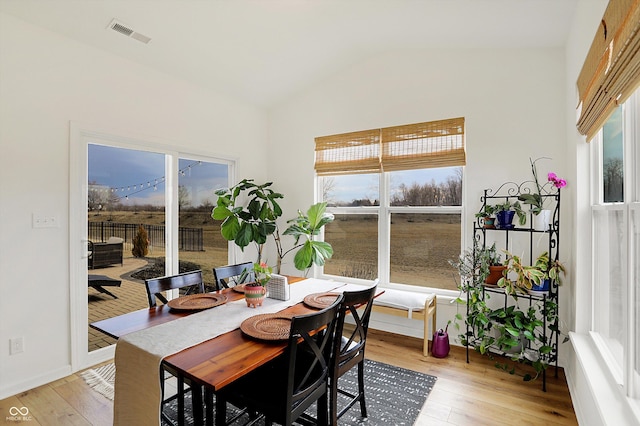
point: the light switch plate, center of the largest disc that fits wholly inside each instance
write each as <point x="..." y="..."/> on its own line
<point x="45" y="221"/>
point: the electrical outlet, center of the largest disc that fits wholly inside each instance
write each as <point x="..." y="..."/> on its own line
<point x="16" y="345"/>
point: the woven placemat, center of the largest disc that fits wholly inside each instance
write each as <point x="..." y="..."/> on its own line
<point x="239" y="288"/>
<point x="320" y="300"/>
<point x="197" y="302"/>
<point x="267" y="326"/>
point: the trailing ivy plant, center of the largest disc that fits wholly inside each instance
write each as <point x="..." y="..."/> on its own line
<point x="473" y="268"/>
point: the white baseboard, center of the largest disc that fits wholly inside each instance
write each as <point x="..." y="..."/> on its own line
<point x="12" y="389"/>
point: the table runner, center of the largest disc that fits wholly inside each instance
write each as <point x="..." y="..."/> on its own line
<point x="138" y="395"/>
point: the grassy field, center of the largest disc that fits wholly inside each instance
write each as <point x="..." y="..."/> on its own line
<point x="421" y="245"/>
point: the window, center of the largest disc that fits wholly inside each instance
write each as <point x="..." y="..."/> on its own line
<point x="396" y="194"/>
<point x="616" y="243"/>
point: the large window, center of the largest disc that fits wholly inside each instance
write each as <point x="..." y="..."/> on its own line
<point x="397" y="197"/>
<point x="616" y="248"/>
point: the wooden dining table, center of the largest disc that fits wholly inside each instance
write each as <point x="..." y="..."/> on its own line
<point x="142" y="319"/>
<point x="215" y="362"/>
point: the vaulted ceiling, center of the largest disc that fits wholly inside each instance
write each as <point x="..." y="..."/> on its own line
<point x="263" y="51"/>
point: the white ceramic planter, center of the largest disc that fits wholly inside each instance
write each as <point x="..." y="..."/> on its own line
<point x="541" y="220"/>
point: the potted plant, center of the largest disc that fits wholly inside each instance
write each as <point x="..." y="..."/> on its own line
<point x="505" y="213"/>
<point x="473" y="269"/>
<point x="492" y="261"/>
<point x="256" y="221"/>
<point x="531" y="278"/>
<point x="553" y="270"/>
<point x="486" y="213"/>
<point x="252" y="223"/>
<point x="526" y="275"/>
<point x="536" y="200"/>
<point x="255" y="292"/>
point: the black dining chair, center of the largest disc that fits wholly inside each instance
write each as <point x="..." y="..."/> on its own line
<point x="192" y="282"/>
<point x="284" y="388"/>
<point x="348" y="347"/>
<point x="231" y="275"/>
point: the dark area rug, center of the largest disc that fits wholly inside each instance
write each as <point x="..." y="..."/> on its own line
<point x="394" y="397"/>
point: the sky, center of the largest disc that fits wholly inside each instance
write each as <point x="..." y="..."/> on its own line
<point x="356" y="187"/>
<point x="136" y="173"/>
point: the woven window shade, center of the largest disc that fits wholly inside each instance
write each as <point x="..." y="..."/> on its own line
<point x="611" y="71"/>
<point x="424" y="145"/>
<point x="356" y="152"/>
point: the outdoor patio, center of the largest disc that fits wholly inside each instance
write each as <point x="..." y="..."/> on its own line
<point x="131" y="296"/>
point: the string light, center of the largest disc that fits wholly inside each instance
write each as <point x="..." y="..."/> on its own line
<point x="149" y="186"/>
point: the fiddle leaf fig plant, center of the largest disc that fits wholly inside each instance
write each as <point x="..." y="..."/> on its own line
<point x="307" y="226"/>
<point x="256" y="221"/>
<point x="253" y="223"/>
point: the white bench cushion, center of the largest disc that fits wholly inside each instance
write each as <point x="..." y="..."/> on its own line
<point x="400" y="299"/>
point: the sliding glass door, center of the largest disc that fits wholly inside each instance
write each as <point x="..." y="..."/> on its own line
<point x="143" y="211"/>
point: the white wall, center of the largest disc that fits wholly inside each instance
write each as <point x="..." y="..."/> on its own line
<point x="46" y="82"/>
<point x="513" y="102"/>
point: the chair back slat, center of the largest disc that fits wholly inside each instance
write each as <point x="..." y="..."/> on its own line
<point x="230" y="275"/>
<point x="156" y="286"/>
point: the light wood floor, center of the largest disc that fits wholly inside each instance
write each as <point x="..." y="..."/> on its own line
<point x="465" y="394"/>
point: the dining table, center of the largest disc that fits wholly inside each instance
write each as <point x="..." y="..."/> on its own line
<point x="207" y="347"/>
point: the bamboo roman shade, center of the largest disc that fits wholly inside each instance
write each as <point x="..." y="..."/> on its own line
<point x="423" y="145"/>
<point x="412" y="146"/>
<point x="356" y="152"/>
<point x="611" y="71"/>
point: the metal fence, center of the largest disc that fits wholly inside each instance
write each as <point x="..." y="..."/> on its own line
<point x="189" y="239"/>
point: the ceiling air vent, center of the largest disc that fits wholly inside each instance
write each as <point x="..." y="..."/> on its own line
<point x="123" y="28"/>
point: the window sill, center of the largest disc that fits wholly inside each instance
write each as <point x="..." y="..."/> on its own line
<point x="603" y="393"/>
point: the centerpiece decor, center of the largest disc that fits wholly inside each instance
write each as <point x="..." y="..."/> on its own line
<point x="541" y="216"/>
<point x="255" y="292"/>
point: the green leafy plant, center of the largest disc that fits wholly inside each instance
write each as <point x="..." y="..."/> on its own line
<point x="256" y="221"/>
<point x="262" y="272"/>
<point x="518" y="331"/>
<point x="512" y="205"/>
<point x="526" y="275"/>
<point x="307" y="226"/>
<point x="473" y="268"/>
<point x="553" y="269"/>
<point x="252" y="223"/>
<point x="486" y="210"/>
